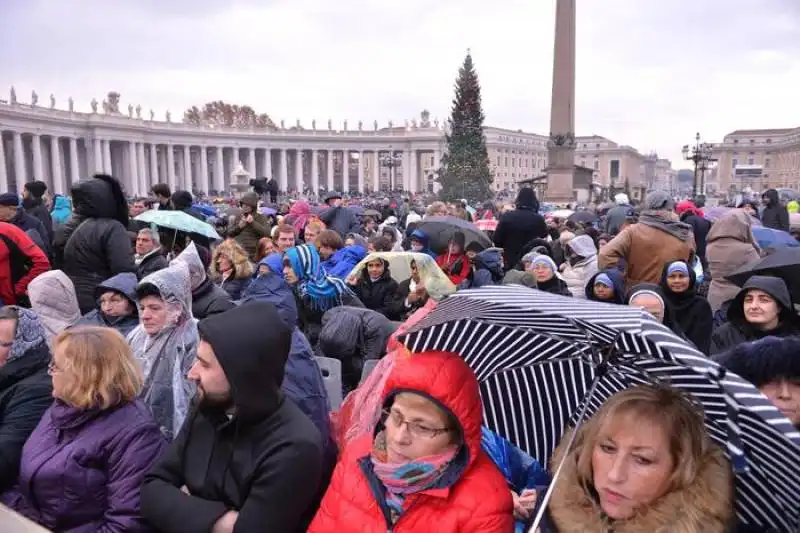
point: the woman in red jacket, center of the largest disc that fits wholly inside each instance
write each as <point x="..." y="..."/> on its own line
<point x="423" y="469"/>
<point x="454" y="262"/>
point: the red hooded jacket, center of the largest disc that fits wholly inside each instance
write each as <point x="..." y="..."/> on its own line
<point x="12" y="289"/>
<point x="478" y="502"/>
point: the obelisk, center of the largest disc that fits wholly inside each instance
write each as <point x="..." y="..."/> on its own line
<point x="561" y="146"/>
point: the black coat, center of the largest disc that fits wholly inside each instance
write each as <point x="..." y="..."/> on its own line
<point x="775" y="215"/>
<point x="25" y="394"/>
<point x="151" y="263"/>
<point x="514" y="230"/>
<point x="208" y="299"/>
<point x="35" y="230"/>
<point x="94" y="244"/>
<point x="700" y="229"/>
<point x="691" y="313"/>
<point x="235" y="287"/>
<point x="36" y="208"/>
<point x="378" y="295"/>
<point x="399" y="307"/>
<point x="265" y="462"/>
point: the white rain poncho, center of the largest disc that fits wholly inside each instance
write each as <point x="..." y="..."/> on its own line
<point x="167" y="356"/>
<point x="436" y="282"/>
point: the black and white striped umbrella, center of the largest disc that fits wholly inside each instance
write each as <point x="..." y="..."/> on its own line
<point x="536" y="356"/>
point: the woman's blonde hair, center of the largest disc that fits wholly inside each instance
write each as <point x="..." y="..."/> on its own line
<point x="104" y="372"/>
<point x="232" y="250"/>
<point x="668" y="407"/>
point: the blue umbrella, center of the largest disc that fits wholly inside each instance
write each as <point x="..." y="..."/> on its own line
<point x="207" y="210"/>
<point x="179" y="221"/>
<point x="268" y="211"/>
<point x="774" y="238"/>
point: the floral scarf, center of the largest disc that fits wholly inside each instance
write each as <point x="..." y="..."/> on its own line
<point x="317" y="290"/>
<point x="402" y="479"/>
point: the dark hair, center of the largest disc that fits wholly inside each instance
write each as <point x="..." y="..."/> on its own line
<point x="330" y="238"/>
<point x="381" y="244"/>
<point x="147" y="289"/>
<point x="161" y="189"/>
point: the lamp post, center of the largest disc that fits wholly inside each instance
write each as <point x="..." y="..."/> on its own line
<point x="700" y="154"/>
<point x="391" y="161"/>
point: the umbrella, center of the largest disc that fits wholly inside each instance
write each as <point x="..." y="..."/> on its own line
<point x="178" y="221"/>
<point x="560" y="213"/>
<point x="441" y="229"/>
<point x="774" y="238"/>
<point x="583" y="217"/>
<point x="357" y="210"/>
<point x="268" y="211"/>
<point x="371" y="213"/>
<point x="784" y="264"/>
<point x="546" y="362"/>
<point x="207" y="210"/>
<point x="436" y="282"/>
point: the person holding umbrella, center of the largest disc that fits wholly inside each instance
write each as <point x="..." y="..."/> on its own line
<point x="455" y="262"/>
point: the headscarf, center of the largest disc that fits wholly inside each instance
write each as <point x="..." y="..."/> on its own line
<point x="29" y="334"/>
<point x="604" y="279"/>
<point x="315" y="288"/>
<point x="300" y="213"/>
<point x="166" y="356"/>
<point x="678" y="266"/>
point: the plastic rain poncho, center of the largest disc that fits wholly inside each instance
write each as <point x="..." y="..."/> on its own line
<point x="436" y="281"/>
<point x="167" y="356"/>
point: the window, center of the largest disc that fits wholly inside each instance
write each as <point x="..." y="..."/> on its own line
<point x="583" y="162"/>
<point x="596" y="164"/>
<point x="597" y="145"/>
<point x="506" y="161"/>
<point x="750" y="161"/>
<point x="735" y="162"/>
<point x="766" y="163"/>
<point x="752" y="141"/>
<point x="769" y="141"/>
<point x="736" y="141"/>
<point x="498" y="160"/>
<point x="613" y="169"/>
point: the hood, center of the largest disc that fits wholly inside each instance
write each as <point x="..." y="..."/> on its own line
<point x="433" y="374"/>
<point x="421" y="236"/>
<point x="124" y="283"/>
<point x="233" y="251"/>
<point x="250" y="199"/>
<point x="182" y="200"/>
<point x="492" y="260"/>
<point x="621" y="199"/>
<point x="765" y="360"/>
<point x="252" y="356"/>
<point x="772" y="196"/>
<point x="773" y="286"/>
<point x="100" y="197"/>
<point x="583" y="246"/>
<point x="679" y="230"/>
<point x="30" y="334"/>
<point x="526" y="199"/>
<point x="274" y="262"/>
<point x="53" y="298"/>
<point x="350" y="254"/>
<point x="616" y="280"/>
<point x="273" y="289"/>
<point x="663" y="283"/>
<point x="191" y="258"/>
<point x="687" y="207"/>
<point x="173" y="286"/>
<point x="735" y="224"/>
<point x="387" y="273"/>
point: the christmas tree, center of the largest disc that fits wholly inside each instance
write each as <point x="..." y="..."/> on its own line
<point x="465" y="167"/>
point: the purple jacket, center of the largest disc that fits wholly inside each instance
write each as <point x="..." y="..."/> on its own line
<point x="81" y="471"/>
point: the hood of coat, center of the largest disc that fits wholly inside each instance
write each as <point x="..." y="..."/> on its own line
<point x="582" y="246"/>
<point x="773" y="286"/>
<point x="526" y="199"/>
<point x="386" y="275"/>
<point x="616" y="279"/>
<point x="706" y="505"/>
<point x="100" y="197"/>
<point x="173" y="286"/>
<point x="492" y="260"/>
<point x="124" y="284"/>
<point x="272" y="288"/>
<point x="52" y="296"/>
<point x="238" y="258"/>
<point x="253" y="356"/>
<point x="765" y="360"/>
<point x="197" y="271"/>
<point x="677" y="229"/>
<point x="445" y="378"/>
<point x="772" y="197"/>
<point x="274" y="262"/>
<point x="349" y="255"/>
<point x="735" y="224"/>
<point x="29" y="337"/>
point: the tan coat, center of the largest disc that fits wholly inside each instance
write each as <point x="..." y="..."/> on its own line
<point x="645" y="249"/>
<point x="729" y="246"/>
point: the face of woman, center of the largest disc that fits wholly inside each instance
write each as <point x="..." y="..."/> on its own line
<point x="678" y="282"/>
<point x="62" y="377"/>
<point x="152" y="314"/>
<point x="761" y="310"/>
<point x="114" y="304"/>
<point x="224" y="264"/>
<point x="785" y="395"/>
<point x="415" y="427"/>
<point x="375" y="269"/>
<point x="651" y="304"/>
<point x="289" y="274"/>
<point x="542" y="272"/>
<point x="631" y="465"/>
<point x="749" y="210"/>
<point x="603" y="292"/>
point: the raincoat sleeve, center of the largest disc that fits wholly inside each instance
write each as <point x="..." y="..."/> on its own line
<point x="617" y="249"/>
<point x="520" y="469"/>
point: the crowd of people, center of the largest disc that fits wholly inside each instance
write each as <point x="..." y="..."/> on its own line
<point x="154" y="380"/>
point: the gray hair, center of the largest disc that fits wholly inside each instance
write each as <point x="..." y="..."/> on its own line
<point x="153" y="234"/>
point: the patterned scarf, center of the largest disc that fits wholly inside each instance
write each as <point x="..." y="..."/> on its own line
<point x="402" y="479"/>
<point x="315" y="288"/>
<point x="29" y="335"/>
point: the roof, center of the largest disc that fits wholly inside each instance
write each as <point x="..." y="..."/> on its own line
<point x="772" y="131"/>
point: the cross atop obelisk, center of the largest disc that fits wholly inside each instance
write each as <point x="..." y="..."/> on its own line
<point x="561" y="146"/>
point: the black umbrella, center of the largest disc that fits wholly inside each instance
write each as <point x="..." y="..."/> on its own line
<point x="441" y="229"/>
<point x="784" y="263"/>
<point x="583" y="217"/>
<point x="357" y="210"/>
<point x="546" y="362"/>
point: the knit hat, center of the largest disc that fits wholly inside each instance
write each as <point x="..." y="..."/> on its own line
<point x="475" y="246"/>
<point x="678" y="266"/>
<point x="545" y="260"/>
<point x="9" y="199"/>
<point x="659" y="201"/>
<point x="36" y="188"/>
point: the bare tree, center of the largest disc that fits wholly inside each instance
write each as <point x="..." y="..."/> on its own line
<point x="223" y="114"/>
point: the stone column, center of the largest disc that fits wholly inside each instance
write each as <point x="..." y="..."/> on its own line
<point x="268" y="163"/>
<point x="188" y="182"/>
<point x="406" y="169"/>
<point x="376" y="170"/>
<point x="154" y="178"/>
<point x="361" y="171"/>
<point x="74" y="165"/>
<point x="36" y="146"/>
<point x="219" y="171"/>
<point x="437" y="162"/>
<point x="171" y="167"/>
<point x="329" y="176"/>
<point x="55" y="161"/>
<point x="98" y="155"/>
<point x="3" y="171"/>
<point x="298" y="170"/>
<point x="345" y="171"/>
<point x="251" y="162"/>
<point x="107" y="157"/>
<point x="284" y="176"/>
<point x="141" y="167"/>
<point x="412" y="172"/>
<point x="315" y="172"/>
<point x="204" y="169"/>
<point x="21" y="172"/>
<point x="235" y="158"/>
<point x="132" y="185"/>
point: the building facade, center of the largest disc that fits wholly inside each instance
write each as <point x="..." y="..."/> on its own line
<point x="758" y="160"/>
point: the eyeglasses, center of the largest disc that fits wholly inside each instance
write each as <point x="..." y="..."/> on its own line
<point x="417" y="430"/>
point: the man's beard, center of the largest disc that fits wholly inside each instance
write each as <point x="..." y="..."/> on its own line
<point x="214" y="400"/>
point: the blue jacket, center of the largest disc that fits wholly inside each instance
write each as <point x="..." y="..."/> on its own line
<point x="341" y="263"/>
<point x="302" y="382"/>
<point x="124" y="284"/>
<point x="422" y="237"/>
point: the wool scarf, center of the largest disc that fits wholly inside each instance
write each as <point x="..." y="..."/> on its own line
<point x="317" y="290"/>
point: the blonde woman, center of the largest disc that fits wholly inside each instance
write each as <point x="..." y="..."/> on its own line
<point x="82" y="466"/>
<point x="642" y="463"/>
<point x="231" y="268"/>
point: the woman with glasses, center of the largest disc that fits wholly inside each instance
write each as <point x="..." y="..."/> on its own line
<point x="25" y="388"/>
<point x="423" y="469"/>
<point x="83" y="465"/>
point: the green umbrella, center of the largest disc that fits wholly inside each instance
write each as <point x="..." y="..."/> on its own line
<point x="178" y="221"/>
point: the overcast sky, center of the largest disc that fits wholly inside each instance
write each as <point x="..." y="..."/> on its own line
<point x="650" y="73"/>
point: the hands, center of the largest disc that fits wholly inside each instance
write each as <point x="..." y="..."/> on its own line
<point x="242" y="221"/>
<point x="226" y="523"/>
<point x="524" y="503"/>
<point x="352" y="280"/>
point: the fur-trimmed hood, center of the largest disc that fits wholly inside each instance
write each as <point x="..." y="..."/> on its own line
<point x="236" y="255"/>
<point x="704" y="507"/>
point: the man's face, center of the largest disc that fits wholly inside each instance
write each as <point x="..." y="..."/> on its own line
<point x="285" y="241"/>
<point x="7" y="212"/>
<point x="164" y="200"/>
<point x="209" y="376"/>
<point x="335" y="202"/>
<point x="137" y="209"/>
<point x="311" y="234"/>
<point x="144" y="243"/>
<point x="26" y="193"/>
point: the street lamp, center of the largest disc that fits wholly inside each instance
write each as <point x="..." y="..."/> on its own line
<point x="391" y="161"/>
<point x="700" y="154"/>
